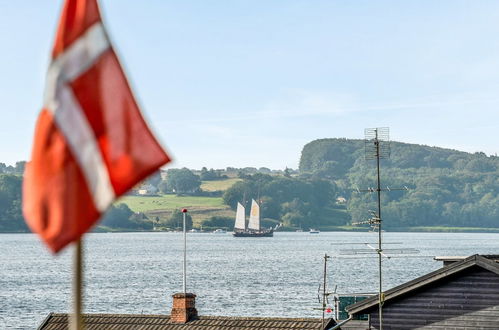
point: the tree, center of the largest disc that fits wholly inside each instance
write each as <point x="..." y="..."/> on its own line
<point x="207" y="175"/>
<point x="11" y="218"/>
<point x="117" y="216"/>
<point x="296" y="201"/>
<point x="121" y="217"/>
<point x="294" y="219"/>
<point x="235" y="194"/>
<point x="19" y="168"/>
<point x="154" y="179"/>
<point x="265" y="170"/>
<point x="180" y="181"/>
<point x="176" y="220"/>
<point x="219" y="222"/>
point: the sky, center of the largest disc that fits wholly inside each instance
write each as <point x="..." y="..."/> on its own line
<point x="249" y="83"/>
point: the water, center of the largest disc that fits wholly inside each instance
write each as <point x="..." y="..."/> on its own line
<point x="279" y="276"/>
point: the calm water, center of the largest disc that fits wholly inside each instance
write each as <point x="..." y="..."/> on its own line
<point x="279" y="276"/>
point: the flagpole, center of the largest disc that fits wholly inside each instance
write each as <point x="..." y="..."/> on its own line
<point x="76" y="319"/>
<point x="184" y="286"/>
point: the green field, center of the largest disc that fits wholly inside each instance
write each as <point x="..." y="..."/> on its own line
<point x="218" y="185"/>
<point x="170" y="202"/>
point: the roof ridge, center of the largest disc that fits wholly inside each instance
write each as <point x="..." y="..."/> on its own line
<point x="199" y="317"/>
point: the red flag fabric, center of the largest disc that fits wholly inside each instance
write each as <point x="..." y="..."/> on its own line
<point x="91" y="143"/>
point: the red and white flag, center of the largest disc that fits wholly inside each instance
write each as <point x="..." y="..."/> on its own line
<point x="91" y="143"/>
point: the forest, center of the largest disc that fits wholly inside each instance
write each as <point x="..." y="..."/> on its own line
<point x="294" y="202"/>
<point x="445" y="187"/>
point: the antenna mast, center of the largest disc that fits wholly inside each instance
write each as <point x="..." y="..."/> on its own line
<point x="377" y="146"/>
<point x="324" y="294"/>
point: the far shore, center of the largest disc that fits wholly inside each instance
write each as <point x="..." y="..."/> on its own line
<point x="434" y="229"/>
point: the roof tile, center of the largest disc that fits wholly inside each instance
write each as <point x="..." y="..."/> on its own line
<point x="162" y="322"/>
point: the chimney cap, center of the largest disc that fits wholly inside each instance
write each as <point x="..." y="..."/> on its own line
<point x="183" y="295"/>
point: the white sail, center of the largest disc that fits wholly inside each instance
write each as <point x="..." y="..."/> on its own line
<point x="254" y="219"/>
<point x="240" y="218"/>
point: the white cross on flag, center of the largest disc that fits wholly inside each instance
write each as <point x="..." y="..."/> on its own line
<point x="91" y="143"/>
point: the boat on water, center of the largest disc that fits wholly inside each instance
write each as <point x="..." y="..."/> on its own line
<point x="219" y="231"/>
<point x="253" y="229"/>
<point x="314" y="231"/>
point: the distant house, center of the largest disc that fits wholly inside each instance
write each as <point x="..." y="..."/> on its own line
<point x="183" y="316"/>
<point x="464" y="294"/>
<point x="147" y="190"/>
<point x="341" y="200"/>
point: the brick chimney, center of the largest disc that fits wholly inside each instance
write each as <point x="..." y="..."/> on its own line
<point x="184" y="308"/>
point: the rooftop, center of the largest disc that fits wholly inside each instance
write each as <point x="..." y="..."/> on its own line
<point x="56" y="321"/>
<point x="487" y="262"/>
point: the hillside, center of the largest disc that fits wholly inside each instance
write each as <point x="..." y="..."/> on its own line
<point x="447" y="187"/>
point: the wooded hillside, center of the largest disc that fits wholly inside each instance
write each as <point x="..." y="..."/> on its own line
<point x="446" y="187"/>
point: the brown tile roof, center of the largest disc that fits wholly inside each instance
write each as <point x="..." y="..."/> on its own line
<point x="162" y="322"/>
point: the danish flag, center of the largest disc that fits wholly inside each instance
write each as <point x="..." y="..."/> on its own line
<point x="91" y="143"/>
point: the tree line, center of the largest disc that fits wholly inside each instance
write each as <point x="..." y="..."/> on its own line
<point x="446" y="188"/>
<point x="11" y="218"/>
<point x="17" y="169"/>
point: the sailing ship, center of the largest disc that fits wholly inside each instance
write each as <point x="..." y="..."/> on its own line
<point x="253" y="229"/>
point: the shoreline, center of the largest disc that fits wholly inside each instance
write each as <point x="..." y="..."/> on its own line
<point x="436" y="229"/>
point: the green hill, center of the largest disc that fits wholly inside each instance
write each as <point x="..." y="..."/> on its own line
<point x="446" y="187"/>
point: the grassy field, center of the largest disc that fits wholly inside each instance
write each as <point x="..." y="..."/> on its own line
<point x="170" y="202"/>
<point x="218" y="185"/>
<point x="200" y="208"/>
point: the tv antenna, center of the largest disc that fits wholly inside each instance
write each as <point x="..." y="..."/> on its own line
<point x="324" y="301"/>
<point x="377" y="146"/>
<point x="369" y="250"/>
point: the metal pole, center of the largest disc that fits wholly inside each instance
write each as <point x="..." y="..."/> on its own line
<point x="184" y="211"/>
<point x="76" y="319"/>
<point x="324" y="290"/>
<point x="380" y="251"/>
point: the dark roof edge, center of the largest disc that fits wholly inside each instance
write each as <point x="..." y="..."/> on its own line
<point x="425" y="280"/>
<point x="200" y="317"/>
<point x="45" y="321"/>
<point x="488" y="264"/>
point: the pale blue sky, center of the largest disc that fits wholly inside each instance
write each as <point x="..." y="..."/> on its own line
<point x="248" y="83"/>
